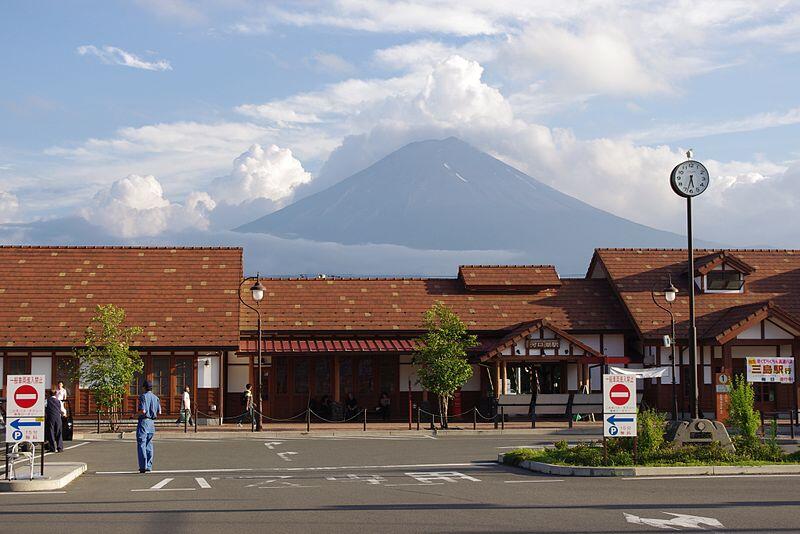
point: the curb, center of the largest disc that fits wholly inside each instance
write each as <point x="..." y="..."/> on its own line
<point x="581" y="471"/>
<point x="69" y="472"/>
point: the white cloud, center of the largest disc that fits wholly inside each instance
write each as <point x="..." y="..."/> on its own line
<point x="270" y="173"/>
<point x="135" y="206"/>
<point x="112" y="55"/>
<point x="9" y="206"/>
<point x="328" y="62"/>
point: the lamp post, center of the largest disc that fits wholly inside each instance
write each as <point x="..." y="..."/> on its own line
<point x="257" y="293"/>
<point x="670" y="293"/>
<point x="689" y="179"/>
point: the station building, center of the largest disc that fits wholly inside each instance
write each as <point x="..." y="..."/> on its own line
<point x="184" y="299"/>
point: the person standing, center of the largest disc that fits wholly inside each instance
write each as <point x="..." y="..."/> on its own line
<point x="61" y="395"/>
<point x="149" y="409"/>
<point x="52" y="422"/>
<point x="186" y="408"/>
<point x="247" y="404"/>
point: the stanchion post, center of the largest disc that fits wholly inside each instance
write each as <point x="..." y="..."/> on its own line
<point x="475" y="418"/>
<point x="186" y="414"/>
<point x="195" y="418"/>
<point x="365" y="419"/>
<point x="7" y="466"/>
<point x="308" y="420"/>
<point x="502" y="417"/>
<point x="418" y="416"/>
<point x="41" y="460"/>
<point x="98" y="421"/>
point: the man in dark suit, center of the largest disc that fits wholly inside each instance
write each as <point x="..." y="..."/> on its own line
<point x="52" y="423"/>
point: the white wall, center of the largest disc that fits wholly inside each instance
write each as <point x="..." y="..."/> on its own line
<point x="754" y="332"/>
<point x="406" y="373"/>
<point x="572" y="377"/>
<point x="474" y="383"/>
<point x="43" y="365"/>
<point x="592" y="340"/>
<point x="773" y="331"/>
<point x="208" y="375"/>
<point x="596" y="377"/>
<point x="238" y="377"/>
<point x="738" y="351"/>
<point x="614" y="344"/>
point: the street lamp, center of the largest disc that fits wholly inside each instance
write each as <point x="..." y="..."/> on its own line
<point x="670" y="293"/>
<point x="257" y="293"/>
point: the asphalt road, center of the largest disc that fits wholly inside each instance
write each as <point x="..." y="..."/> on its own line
<point x="358" y="485"/>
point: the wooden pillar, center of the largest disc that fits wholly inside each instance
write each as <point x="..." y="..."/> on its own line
<point x="497" y="379"/>
<point x="504" y="378"/>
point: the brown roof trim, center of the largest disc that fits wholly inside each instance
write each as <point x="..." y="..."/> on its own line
<point x="526" y="329"/>
<point x="707" y="264"/>
<point x="770" y="309"/>
<point x="111" y="247"/>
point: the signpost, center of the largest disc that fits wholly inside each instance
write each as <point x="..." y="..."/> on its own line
<point x="25" y="410"/>
<point x="722" y="395"/>
<point x="619" y="408"/>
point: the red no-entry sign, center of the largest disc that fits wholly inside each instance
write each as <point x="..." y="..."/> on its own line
<point x="619" y="394"/>
<point x="26" y="396"/>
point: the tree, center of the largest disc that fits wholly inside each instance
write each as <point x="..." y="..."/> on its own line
<point x="742" y="413"/>
<point x="441" y="361"/>
<point x="107" y="363"/>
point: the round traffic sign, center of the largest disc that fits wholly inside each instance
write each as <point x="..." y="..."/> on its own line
<point x="26" y="396"/>
<point x="619" y="394"/>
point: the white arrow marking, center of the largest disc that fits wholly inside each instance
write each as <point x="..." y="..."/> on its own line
<point x="678" y="521"/>
<point x="284" y="455"/>
<point x="162" y="484"/>
<point x="203" y="483"/>
<point x="271" y="444"/>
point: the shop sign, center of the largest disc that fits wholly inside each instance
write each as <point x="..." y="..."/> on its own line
<point x="774" y="370"/>
<point x="543" y="343"/>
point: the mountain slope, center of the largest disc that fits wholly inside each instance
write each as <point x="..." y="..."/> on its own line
<point x="445" y="194"/>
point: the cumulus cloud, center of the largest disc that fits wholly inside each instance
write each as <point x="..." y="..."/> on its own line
<point x="261" y="173"/>
<point x="112" y="55"/>
<point x="135" y="206"/>
<point x="9" y="206"/>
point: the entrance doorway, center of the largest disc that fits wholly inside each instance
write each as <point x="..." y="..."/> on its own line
<point x="550" y="377"/>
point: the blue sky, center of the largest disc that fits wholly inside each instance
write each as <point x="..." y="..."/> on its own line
<point x="154" y="117"/>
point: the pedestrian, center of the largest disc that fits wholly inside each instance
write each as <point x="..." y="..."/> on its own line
<point x="52" y="422"/>
<point x="61" y="395"/>
<point x="247" y="404"/>
<point x="384" y="406"/>
<point x="186" y="408"/>
<point x="149" y="408"/>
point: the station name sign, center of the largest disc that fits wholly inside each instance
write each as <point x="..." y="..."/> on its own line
<point x="777" y="370"/>
<point x="544" y="343"/>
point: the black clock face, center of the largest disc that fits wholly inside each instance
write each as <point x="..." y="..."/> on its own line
<point x="689" y="178"/>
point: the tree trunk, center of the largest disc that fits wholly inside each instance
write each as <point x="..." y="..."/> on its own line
<point x="444" y="401"/>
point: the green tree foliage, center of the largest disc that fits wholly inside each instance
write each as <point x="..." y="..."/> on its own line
<point x="107" y="363"/>
<point x="441" y="362"/>
<point x="742" y="414"/>
<point x="652" y="426"/>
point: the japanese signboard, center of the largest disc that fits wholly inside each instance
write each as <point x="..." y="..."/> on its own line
<point x="619" y="394"/>
<point x="25" y="408"/>
<point x="722" y="395"/>
<point x="776" y="370"/>
<point x="619" y="425"/>
<point x="543" y="343"/>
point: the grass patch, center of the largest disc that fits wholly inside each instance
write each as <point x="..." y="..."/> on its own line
<point x="621" y="454"/>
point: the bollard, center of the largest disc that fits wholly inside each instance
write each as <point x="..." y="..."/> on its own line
<point x="418" y="416"/>
<point x="98" y="421"/>
<point x="433" y="422"/>
<point x="365" y="419"/>
<point x="308" y="420"/>
<point x="502" y="417"/>
<point x="474" y="419"/>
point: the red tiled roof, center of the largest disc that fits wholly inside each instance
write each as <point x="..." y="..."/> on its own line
<point x="250" y="346"/>
<point x="774" y="276"/>
<point x="397" y="304"/>
<point x="482" y="277"/>
<point x="705" y="264"/>
<point x="179" y="296"/>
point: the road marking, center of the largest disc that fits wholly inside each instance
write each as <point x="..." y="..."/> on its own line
<point x="203" y="483"/>
<point x="75" y="446"/>
<point x="25" y="460"/>
<point x="416" y="484"/>
<point x="446" y="476"/>
<point x="683" y="477"/>
<point x="477" y="465"/>
<point x="677" y="522"/>
<point x="530" y="481"/>
<point x="369" y="479"/>
<point x="30" y="492"/>
<point x="285" y="456"/>
<point x="271" y="444"/>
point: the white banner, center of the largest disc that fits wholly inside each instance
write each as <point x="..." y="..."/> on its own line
<point x="651" y="372"/>
<point x="775" y="370"/>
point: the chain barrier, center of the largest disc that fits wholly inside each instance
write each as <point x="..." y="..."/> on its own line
<point x="276" y="420"/>
<point x="357" y="415"/>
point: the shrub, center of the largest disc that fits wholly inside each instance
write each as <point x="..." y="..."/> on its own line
<point x="743" y="416"/>
<point x="651" y="428"/>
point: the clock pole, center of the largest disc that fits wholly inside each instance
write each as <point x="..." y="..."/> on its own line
<point x="694" y="400"/>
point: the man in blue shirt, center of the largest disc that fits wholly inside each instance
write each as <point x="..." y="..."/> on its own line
<point x="149" y="408"/>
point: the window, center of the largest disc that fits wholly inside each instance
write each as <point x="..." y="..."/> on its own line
<point x="161" y="375"/>
<point x="281" y="376"/>
<point x="135" y="388"/>
<point x="301" y="376"/>
<point x="322" y="376"/>
<point x="183" y="374"/>
<point x="724" y="280"/>
<point x="365" y="379"/>
<point x="387" y="373"/>
<point x="17" y="366"/>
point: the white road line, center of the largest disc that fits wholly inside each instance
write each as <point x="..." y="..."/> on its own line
<point x="416" y="484"/>
<point x="165" y="489"/>
<point x="271" y="444"/>
<point x="203" y="483"/>
<point x="30" y="492"/>
<point x="161" y="484"/>
<point x="530" y="481"/>
<point x="75" y="446"/>
<point x="285" y="456"/>
<point x="25" y="460"/>
<point x="680" y="477"/>
<point x="478" y="465"/>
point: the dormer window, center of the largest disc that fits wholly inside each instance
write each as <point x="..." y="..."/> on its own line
<point x="724" y="280"/>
